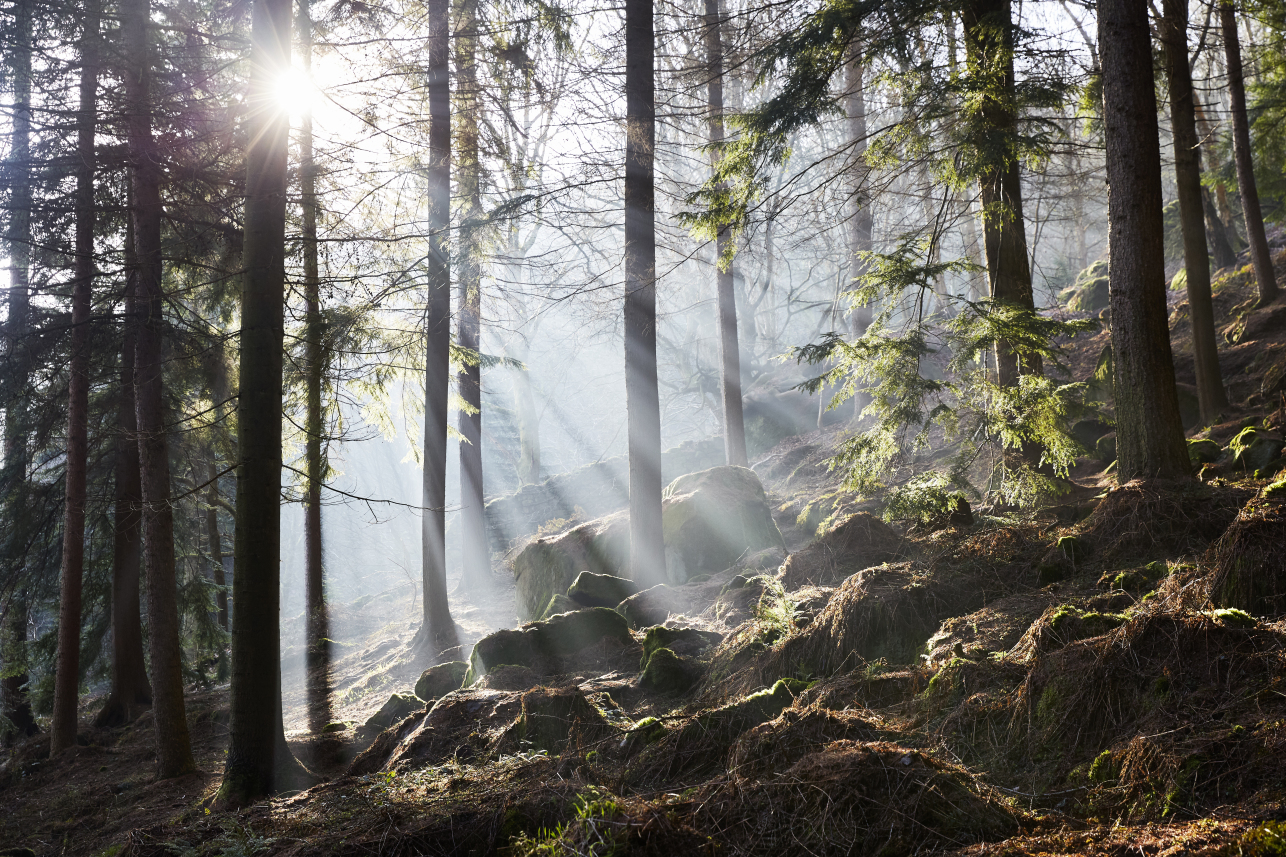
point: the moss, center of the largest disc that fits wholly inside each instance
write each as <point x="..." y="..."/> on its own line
<point x="683" y="639"/>
<point x="666" y="672"/>
<point x="1267" y="839"/>
<point x="1073" y="547"/>
<point x="1104" y="768"/>
<point x="649" y="729"/>
<point x="1234" y="618"/>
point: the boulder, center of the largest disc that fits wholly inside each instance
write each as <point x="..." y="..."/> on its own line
<point x="509" y="677"/>
<point x="681" y="641"/>
<point x="1204" y="451"/>
<point x="438" y="681"/>
<point x="600" y="590"/>
<point x="547" y="566"/>
<point x="713" y="518"/>
<point x="1254" y="450"/>
<point x="666" y="672"/>
<point x="398" y="707"/>
<point x="650" y="607"/>
<point x="542" y="645"/>
<point x="1105" y="448"/>
<point x="1089" y="293"/>
<point x="559" y="604"/>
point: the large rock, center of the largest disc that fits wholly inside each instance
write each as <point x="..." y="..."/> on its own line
<point x="1089" y="293"/>
<point x="713" y="518"/>
<point x="651" y="606"/>
<point x="541" y="646"/>
<point x="398" y="707"/>
<point x="1255" y="450"/>
<point x="547" y="566"/>
<point x="600" y="590"/>
<point x="438" y="681"/>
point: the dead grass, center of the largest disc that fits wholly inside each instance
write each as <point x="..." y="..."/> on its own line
<point x="1151" y="518"/>
<point x="1248" y="563"/>
<point x="859" y="541"/>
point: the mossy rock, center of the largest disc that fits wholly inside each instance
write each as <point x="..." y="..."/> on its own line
<point x="1234" y="618"/>
<point x="1254" y="450"/>
<point x="437" y="681"/>
<point x="665" y="672"/>
<point x="649" y="607"/>
<point x="398" y="707"/>
<point x="1204" y="451"/>
<point x="1105" y="448"/>
<point x="334" y="726"/>
<point x="712" y="518"/>
<point x="1090" y="294"/>
<point x="600" y="590"/>
<point x="552" y="718"/>
<point x="723" y="725"/>
<point x="559" y="604"/>
<point x="541" y="645"/>
<point x="685" y="641"/>
<point x="547" y="566"/>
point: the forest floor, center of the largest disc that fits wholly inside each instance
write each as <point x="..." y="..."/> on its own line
<point x="984" y="689"/>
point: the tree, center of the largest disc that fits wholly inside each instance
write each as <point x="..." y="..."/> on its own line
<point x="173" y="746"/>
<point x="989" y="58"/>
<point x="734" y="429"/>
<point x="642" y="399"/>
<point x="438" y="630"/>
<point x="62" y="733"/>
<point x="258" y="759"/>
<point x="861" y="223"/>
<point x="1260" y="256"/>
<point x="1148" y="428"/>
<point x="1173" y="28"/>
<point x="317" y="626"/>
<point x="475" y="572"/>
<point x="131" y="691"/>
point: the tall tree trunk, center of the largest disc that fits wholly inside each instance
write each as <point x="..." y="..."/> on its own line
<point x="1187" y="168"/>
<point x="861" y="221"/>
<point x="317" y="626"/>
<point x="642" y="398"/>
<point x="131" y="692"/>
<point x="438" y="630"/>
<point x="62" y="733"/>
<point x="258" y="759"/>
<point x="173" y="746"/>
<point x="989" y="56"/>
<point x="1148" y="429"/>
<point x="1259" y="254"/>
<point x="216" y="547"/>
<point x="475" y="572"/>
<point x="734" y="427"/>
<point x="16" y="704"/>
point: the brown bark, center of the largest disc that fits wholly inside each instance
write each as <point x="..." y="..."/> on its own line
<point x="62" y="732"/>
<point x="1260" y="257"/>
<point x="1149" y="432"/>
<point x="258" y="760"/>
<point x="173" y="746"/>
<point x="1187" y="168"/>
<point x="734" y="425"/>
<point x="317" y="630"/>
<point x="642" y="399"/>
<point x="989" y="55"/>
<point x="475" y="572"/>
<point x="438" y="630"/>
<point x="131" y="692"/>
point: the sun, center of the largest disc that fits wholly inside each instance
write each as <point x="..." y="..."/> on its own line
<point x="296" y="92"/>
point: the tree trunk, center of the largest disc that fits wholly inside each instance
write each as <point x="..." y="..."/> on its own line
<point x="734" y="428"/>
<point x="131" y="691"/>
<point x="173" y="747"/>
<point x="16" y="704"/>
<point x="989" y="56"/>
<point x="62" y="732"/>
<point x="438" y="630"/>
<point x="317" y="625"/>
<point x="642" y="399"/>
<point x="1148" y="429"/>
<point x="1259" y="254"/>
<point x="216" y="547"/>
<point x="1187" y="168"/>
<point x="475" y="572"/>
<point x="258" y="758"/>
<point x="861" y="223"/>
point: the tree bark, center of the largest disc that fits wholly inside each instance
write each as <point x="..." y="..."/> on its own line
<point x="131" y="692"/>
<point x="317" y="625"/>
<point x="989" y="56"/>
<point x="216" y="547"/>
<point x="1149" y="432"/>
<point x="1187" y="168"/>
<point x="475" y="572"/>
<point x="438" y="630"/>
<point x="258" y="758"/>
<point x="734" y="426"/>
<point x="62" y="732"/>
<point x="1259" y="254"/>
<point x="173" y="746"/>
<point x="16" y="704"/>
<point x="642" y="398"/>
